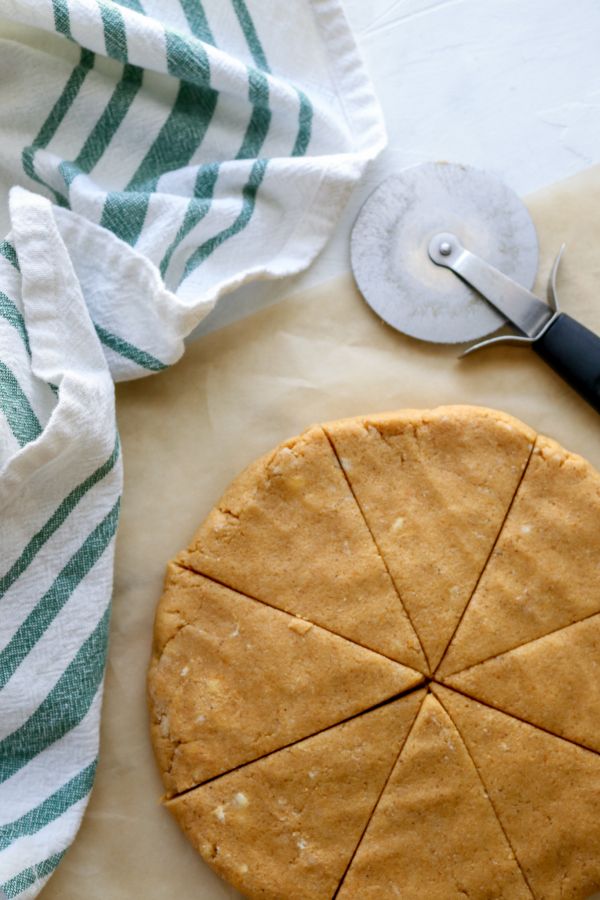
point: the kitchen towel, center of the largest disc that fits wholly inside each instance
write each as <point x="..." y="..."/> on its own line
<point x="162" y="152"/>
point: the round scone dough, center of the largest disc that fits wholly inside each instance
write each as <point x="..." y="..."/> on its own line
<point x="375" y="668"/>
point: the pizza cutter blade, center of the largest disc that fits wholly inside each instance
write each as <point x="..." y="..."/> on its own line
<point x="390" y="243"/>
<point x="447" y="253"/>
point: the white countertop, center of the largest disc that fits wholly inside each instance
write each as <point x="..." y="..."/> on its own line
<point x="512" y="86"/>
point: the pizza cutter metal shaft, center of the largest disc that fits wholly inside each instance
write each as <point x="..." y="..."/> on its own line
<point x="520" y="306"/>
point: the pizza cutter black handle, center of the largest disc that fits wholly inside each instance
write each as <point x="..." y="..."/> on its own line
<point x="573" y="351"/>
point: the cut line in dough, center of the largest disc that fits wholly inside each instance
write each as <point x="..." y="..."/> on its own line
<point x="286" y="824"/>
<point x="440" y="699"/>
<point x="381" y="793"/>
<point x="288" y="532"/>
<point x="232" y="679"/>
<point x="552" y="682"/>
<point x="448" y="648"/>
<point x="309" y="622"/>
<point x="544" y="573"/>
<point x="543" y="787"/>
<point x="434" y="487"/>
<point x="434" y="825"/>
<point x="377" y="547"/>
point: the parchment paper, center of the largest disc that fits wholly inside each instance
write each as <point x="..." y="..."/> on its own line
<point x="236" y="393"/>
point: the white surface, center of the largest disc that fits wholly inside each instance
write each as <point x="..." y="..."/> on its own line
<point x="512" y="86"/>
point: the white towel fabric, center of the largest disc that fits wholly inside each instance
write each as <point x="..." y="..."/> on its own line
<point x="162" y="152"/>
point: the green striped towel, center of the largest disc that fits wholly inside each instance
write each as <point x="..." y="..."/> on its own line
<point x="160" y="154"/>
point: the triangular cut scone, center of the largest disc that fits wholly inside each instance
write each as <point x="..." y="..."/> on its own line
<point x="546" y="792"/>
<point x="434" y="833"/>
<point x="544" y="572"/>
<point x="233" y="679"/>
<point x="289" y="533"/>
<point x="553" y="682"/>
<point x="434" y="487"/>
<point x="288" y="824"/>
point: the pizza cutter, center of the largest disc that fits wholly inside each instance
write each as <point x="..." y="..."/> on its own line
<point x="448" y="253"/>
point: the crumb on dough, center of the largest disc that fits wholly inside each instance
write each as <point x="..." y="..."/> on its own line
<point x="163" y="726"/>
<point x="300" y="626"/>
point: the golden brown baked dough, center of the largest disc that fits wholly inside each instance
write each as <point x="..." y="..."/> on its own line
<point x="233" y="679"/>
<point x="546" y="792"/>
<point x="282" y="637"/>
<point x="288" y="824"/>
<point x="544" y="571"/>
<point x="434" y="487"/>
<point x="434" y="828"/>
<point x="288" y="532"/>
<point x="553" y="682"/>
